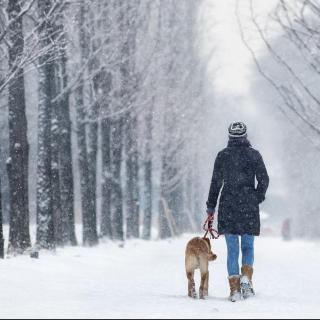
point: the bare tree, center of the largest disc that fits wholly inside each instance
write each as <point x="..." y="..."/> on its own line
<point x="130" y="86"/>
<point x="1" y="228"/>
<point x="292" y="69"/>
<point x="178" y="103"/>
<point x="62" y="169"/>
<point x="45" y="222"/>
<point x="68" y="235"/>
<point x="17" y="165"/>
<point x="297" y="20"/>
<point x="90" y="236"/>
<point x="148" y="186"/>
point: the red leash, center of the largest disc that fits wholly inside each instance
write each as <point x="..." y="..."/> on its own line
<point x="207" y="227"/>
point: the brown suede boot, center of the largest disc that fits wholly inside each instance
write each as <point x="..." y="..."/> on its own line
<point x="234" y="282"/>
<point x="246" y="282"/>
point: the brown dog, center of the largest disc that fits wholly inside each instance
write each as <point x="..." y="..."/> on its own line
<point x="198" y="255"/>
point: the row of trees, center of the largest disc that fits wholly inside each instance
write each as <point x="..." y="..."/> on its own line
<point x="291" y="65"/>
<point x="122" y="79"/>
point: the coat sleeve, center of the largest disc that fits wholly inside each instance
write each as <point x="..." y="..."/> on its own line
<point x="262" y="178"/>
<point x="216" y="183"/>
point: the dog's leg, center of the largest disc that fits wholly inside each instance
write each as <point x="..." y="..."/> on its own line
<point x="191" y="285"/>
<point x="191" y="264"/>
<point x="206" y="286"/>
<point x="204" y="277"/>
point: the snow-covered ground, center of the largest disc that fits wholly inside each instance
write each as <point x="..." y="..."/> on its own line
<point x="147" y="280"/>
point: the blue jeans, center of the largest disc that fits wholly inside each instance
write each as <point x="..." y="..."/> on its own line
<point x="247" y="249"/>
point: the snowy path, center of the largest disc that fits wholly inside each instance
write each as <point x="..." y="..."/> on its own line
<point x="147" y="280"/>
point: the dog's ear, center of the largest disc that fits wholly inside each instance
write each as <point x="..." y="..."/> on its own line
<point x="208" y="241"/>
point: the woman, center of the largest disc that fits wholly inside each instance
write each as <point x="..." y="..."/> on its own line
<point x="235" y="170"/>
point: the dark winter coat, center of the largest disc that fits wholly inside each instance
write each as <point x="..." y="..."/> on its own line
<point x="235" y="170"/>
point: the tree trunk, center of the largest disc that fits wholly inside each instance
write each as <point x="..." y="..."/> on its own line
<point x="147" y="218"/>
<point x="171" y="184"/>
<point x="93" y="115"/>
<point x="55" y="170"/>
<point x="189" y="224"/>
<point x="164" y="224"/>
<point x="1" y="227"/>
<point x="176" y="205"/>
<point x="55" y="148"/>
<point x="116" y="186"/>
<point x="90" y="236"/>
<point x="45" y="226"/>
<point x="63" y="190"/>
<point x="117" y="130"/>
<point x="132" y="177"/>
<point x="66" y="167"/>
<point x="19" y="238"/>
<point x="105" y="228"/>
<point x="197" y="199"/>
<point x="92" y="171"/>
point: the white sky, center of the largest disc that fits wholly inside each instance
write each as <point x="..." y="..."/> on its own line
<point x="233" y="60"/>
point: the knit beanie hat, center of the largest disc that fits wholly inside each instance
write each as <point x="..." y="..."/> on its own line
<point x="237" y="130"/>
